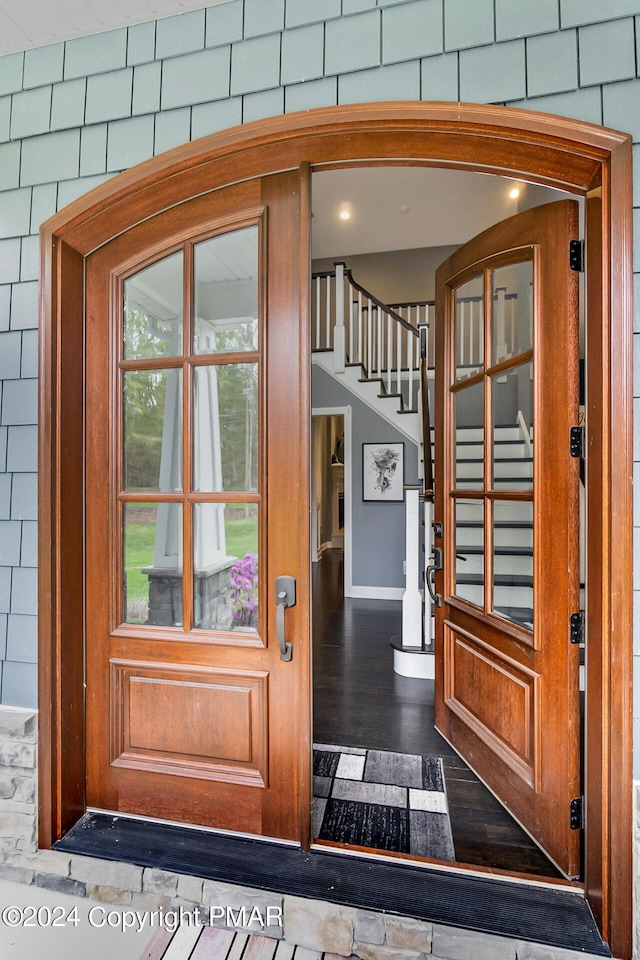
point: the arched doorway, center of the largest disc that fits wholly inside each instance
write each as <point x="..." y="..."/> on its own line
<point x="584" y="160"/>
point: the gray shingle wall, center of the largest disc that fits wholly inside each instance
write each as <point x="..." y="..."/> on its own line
<point x="75" y="113"/>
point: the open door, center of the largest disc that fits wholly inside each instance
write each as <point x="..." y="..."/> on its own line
<point x="197" y="661"/>
<point x="507" y="674"/>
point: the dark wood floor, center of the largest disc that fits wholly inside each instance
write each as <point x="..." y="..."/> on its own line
<point x="360" y="702"/>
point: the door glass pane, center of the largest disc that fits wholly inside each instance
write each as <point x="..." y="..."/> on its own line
<point x="469" y="531"/>
<point x="152" y="427"/>
<point x="512" y="403"/>
<point x="469" y="452"/>
<point x="226" y="292"/>
<point x="225" y="427"/>
<point x="513" y="561"/>
<point x="225" y="566"/>
<point x="153" y="310"/>
<point x="512" y="310"/>
<point x="469" y="327"/>
<point x="152" y="562"/>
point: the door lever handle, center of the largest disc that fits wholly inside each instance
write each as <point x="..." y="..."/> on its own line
<point x="285" y="597"/>
<point x="430" y="576"/>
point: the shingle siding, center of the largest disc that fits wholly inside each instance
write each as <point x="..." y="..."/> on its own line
<point x="74" y="113"/>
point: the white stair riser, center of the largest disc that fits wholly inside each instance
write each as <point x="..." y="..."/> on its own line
<point x="510" y="511"/>
<point x="504" y="596"/>
<point x="503" y="537"/>
<point x="501" y="451"/>
<point x="503" y="564"/>
<point x="502" y="468"/>
<point x="476" y="434"/>
<point x="513" y="483"/>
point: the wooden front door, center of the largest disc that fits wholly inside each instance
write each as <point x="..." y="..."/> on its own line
<point x="196" y="501"/>
<point x="507" y="681"/>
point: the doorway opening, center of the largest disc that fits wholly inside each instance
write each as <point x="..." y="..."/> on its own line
<point x="596" y="165"/>
<point x="384" y="777"/>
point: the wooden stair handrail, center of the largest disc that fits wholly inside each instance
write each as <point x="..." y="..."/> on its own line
<point x="426" y="416"/>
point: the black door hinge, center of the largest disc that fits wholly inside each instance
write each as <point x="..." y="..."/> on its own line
<point x="576" y="255"/>
<point x="576" y="629"/>
<point x="576" y="441"/>
<point x="576" y="817"/>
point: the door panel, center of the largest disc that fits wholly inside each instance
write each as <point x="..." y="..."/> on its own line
<point x="196" y="425"/>
<point x="507" y="694"/>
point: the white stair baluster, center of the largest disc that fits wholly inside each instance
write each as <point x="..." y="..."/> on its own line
<point x="399" y="331"/>
<point x="338" y="329"/>
<point x="352" y="318"/>
<point x="410" y="340"/>
<point x="317" y="343"/>
<point x="500" y="331"/>
<point x="389" y="349"/>
<point x="327" y="342"/>
<point x="361" y="353"/>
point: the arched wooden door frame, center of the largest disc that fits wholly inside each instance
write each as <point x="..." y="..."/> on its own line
<point x="589" y="161"/>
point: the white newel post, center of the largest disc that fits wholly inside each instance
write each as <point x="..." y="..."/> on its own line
<point x="338" y="330"/>
<point x="428" y="547"/>
<point x="410" y="658"/>
<point x="412" y="598"/>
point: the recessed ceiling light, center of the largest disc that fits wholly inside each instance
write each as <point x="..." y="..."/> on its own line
<point x="344" y="211"/>
<point x="345" y="215"/>
<point x="514" y="193"/>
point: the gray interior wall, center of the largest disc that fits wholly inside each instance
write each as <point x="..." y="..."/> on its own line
<point x="398" y="276"/>
<point x="378" y="536"/>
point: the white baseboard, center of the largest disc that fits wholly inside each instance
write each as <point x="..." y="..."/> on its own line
<point x="377" y="593"/>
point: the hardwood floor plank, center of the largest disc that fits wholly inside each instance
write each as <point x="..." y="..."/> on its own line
<point x="360" y="702"/>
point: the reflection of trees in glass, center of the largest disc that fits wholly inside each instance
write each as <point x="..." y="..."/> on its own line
<point x="238" y="395"/>
<point x="144" y="400"/>
<point x="145" y="397"/>
<point x="237" y="391"/>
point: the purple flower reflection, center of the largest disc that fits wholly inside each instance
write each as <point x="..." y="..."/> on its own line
<point x="244" y="588"/>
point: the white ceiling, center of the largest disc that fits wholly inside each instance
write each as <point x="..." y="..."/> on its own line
<point x="34" y="23"/>
<point x="406" y="208"/>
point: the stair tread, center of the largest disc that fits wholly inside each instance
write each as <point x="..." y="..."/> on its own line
<point x="476" y="443"/>
<point x="497" y="460"/>
<point x="499" y="524"/>
<point x="478" y="549"/>
<point x="501" y="480"/>
<point x="499" y="579"/>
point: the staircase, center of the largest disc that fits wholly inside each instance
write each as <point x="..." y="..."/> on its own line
<point x="513" y="525"/>
<point x="381" y="354"/>
<point x="373" y="350"/>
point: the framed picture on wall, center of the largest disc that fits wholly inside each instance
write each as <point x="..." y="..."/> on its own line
<point x="383" y="472"/>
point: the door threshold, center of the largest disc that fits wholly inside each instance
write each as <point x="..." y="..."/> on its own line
<point x="116" y="814"/>
<point x="554" y="916"/>
<point x="506" y="876"/>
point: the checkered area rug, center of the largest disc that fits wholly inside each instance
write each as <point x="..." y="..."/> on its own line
<point x="381" y="800"/>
